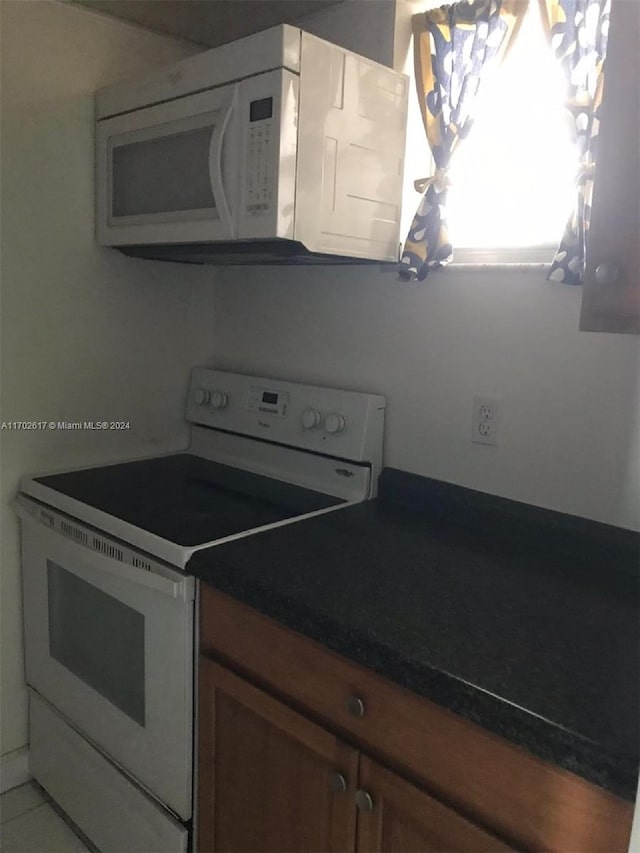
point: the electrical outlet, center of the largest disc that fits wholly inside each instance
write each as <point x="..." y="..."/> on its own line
<point x="485" y="422"/>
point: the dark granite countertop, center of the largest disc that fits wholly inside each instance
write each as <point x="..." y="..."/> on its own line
<point x="522" y="620"/>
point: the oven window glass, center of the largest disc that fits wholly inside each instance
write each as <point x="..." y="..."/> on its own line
<point x="98" y="638"/>
<point x="164" y="174"/>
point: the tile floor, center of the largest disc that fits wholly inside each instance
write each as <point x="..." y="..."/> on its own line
<point x="28" y="824"/>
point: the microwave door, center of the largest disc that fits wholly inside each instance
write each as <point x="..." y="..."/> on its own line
<point x="169" y="173"/>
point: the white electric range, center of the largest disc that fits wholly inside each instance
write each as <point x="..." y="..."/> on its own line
<point x="110" y="631"/>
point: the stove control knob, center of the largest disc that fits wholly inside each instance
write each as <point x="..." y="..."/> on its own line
<point x="311" y="418"/>
<point x="202" y="396"/>
<point x="219" y="400"/>
<point x="335" y="423"/>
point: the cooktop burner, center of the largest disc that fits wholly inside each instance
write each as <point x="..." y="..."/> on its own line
<point x="185" y="499"/>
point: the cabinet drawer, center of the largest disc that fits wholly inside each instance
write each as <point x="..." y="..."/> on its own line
<point x="308" y="675"/>
<point x="526" y="800"/>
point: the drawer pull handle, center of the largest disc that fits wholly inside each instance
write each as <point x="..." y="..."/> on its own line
<point x="364" y="801"/>
<point x="355" y="706"/>
<point x="337" y="782"/>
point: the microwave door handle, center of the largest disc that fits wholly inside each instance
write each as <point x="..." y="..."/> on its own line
<point x="215" y="163"/>
<point x="108" y="565"/>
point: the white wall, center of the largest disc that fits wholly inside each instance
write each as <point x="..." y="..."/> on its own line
<point x="86" y="333"/>
<point x="364" y="26"/>
<point x="569" y="437"/>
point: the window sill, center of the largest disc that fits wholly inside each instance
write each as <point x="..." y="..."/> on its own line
<point x="508" y="266"/>
<point x="512" y="259"/>
<point x="522" y="256"/>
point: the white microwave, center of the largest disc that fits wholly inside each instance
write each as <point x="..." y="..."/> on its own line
<point x="279" y="145"/>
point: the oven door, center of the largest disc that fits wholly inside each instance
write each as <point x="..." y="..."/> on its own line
<point x="110" y="645"/>
<point x="169" y="173"/>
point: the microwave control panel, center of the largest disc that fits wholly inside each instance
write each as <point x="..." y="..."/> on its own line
<point x="259" y="181"/>
<point x="268" y="130"/>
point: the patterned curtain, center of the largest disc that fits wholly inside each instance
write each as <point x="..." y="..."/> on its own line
<point x="454" y="47"/>
<point x="578" y="31"/>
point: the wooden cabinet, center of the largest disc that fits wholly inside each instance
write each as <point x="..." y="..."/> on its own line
<point x="396" y="817"/>
<point x="611" y="299"/>
<point x="436" y="781"/>
<point x="269" y="780"/>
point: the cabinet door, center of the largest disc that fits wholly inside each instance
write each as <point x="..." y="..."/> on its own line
<point x="268" y="779"/>
<point x="611" y="298"/>
<point x="395" y="817"/>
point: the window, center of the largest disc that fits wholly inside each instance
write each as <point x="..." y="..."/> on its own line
<point x="513" y="177"/>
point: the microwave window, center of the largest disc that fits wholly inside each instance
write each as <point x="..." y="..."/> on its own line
<point x="260" y="110"/>
<point x="164" y="174"/>
<point x="97" y="638"/>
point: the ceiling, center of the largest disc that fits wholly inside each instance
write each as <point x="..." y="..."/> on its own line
<point x="207" y="22"/>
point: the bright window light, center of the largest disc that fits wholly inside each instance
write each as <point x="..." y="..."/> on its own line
<point x="513" y="177"/>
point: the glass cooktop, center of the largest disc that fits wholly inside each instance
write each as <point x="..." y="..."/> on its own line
<point x="185" y="499"/>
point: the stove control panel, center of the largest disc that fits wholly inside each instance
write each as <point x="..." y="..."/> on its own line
<point x="348" y="424"/>
<point x="268" y="401"/>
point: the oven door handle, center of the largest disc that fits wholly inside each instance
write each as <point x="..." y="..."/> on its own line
<point x="34" y="513"/>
